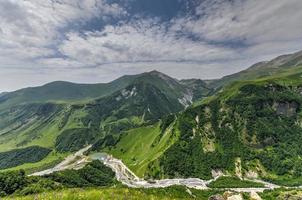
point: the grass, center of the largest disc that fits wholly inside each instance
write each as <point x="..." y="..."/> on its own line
<point x="172" y="193"/>
<point x="136" y="148"/>
<point x="288" y="181"/>
<point x="281" y="194"/>
<point x="36" y="132"/>
<point x="234" y="182"/>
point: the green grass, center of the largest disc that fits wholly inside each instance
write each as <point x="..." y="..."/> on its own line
<point x="172" y="193"/>
<point x="136" y="147"/>
<point x="30" y="130"/>
<point x="234" y="182"/>
<point x="281" y="194"/>
<point x="288" y="181"/>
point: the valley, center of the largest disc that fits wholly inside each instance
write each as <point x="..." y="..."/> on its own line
<point x="156" y="132"/>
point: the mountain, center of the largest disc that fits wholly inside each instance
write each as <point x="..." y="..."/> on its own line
<point x="261" y="69"/>
<point x="199" y="87"/>
<point x="3" y="93"/>
<point x="61" y="91"/>
<point x="64" y="117"/>
<point x="250" y="129"/>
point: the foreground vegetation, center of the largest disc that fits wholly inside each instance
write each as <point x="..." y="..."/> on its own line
<point x="92" y="175"/>
<point x="281" y="194"/>
<point x="234" y="182"/>
<point x="118" y="193"/>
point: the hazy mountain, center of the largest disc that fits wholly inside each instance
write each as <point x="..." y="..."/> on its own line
<point x="61" y="91"/>
<point x="262" y="69"/>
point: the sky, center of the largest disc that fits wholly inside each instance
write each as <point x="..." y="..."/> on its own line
<point x="92" y="41"/>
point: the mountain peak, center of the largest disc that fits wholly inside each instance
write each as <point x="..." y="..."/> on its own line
<point x="160" y="75"/>
<point x="156" y="73"/>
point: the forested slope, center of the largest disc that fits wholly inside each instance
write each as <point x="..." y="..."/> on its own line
<point x="251" y="129"/>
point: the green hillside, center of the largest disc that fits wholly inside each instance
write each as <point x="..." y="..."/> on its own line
<point x="262" y="70"/>
<point x="63" y="122"/>
<point x="61" y="91"/>
<point x="68" y="92"/>
<point x="253" y="124"/>
<point x="139" y="147"/>
<point x="252" y="127"/>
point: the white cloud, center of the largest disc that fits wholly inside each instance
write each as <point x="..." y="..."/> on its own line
<point x="28" y="26"/>
<point x="138" y="42"/>
<point x="36" y="40"/>
<point x="254" y="21"/>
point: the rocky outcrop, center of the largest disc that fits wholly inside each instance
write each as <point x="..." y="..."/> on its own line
<point x="232" y="196"/>
<point x="288" y="109"/>
<point x="255" y="196"/>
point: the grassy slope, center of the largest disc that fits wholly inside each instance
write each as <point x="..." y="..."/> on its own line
<point x="262" y="69"/>
<point x="173" y="193"/>
<point x="29" y="125"/>
<point x="281" y="194"/>
<point x="41" y="123"/>
<point x="39" y="130"/>
<point x="139" y="147"/>
<point x="61" y="91"/>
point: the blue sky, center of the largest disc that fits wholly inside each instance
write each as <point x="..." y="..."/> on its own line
<point x="91" y="41"/>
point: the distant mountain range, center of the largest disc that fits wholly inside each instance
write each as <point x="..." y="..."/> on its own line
<point x="61" y="91"/>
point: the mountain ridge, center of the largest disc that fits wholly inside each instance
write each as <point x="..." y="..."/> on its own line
<point x="261" y="69"/>
<point x="73" y="92"/>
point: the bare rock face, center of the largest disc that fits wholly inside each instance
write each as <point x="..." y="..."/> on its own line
<point x="216" y="173"/>
<point x="235" y="197"/>
<point x="238" y="168"/>
<point x="232" y="196"/>
<point x="227" y="196"/>
<point x="288" y="109"/>
<point x="251" y="174"/>
<point x="255" y="196"/>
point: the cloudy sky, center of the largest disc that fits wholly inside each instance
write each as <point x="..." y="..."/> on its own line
<point x="92" y="41"/>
